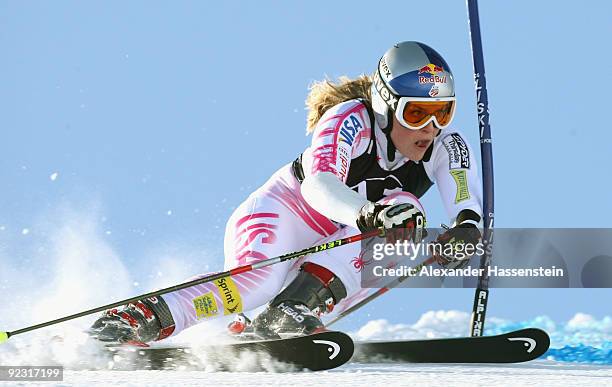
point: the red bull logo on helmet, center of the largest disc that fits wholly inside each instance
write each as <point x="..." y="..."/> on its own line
<point x="432" y="74"/>
<point x="435" y="79"/>
<point x="431" y="69"/>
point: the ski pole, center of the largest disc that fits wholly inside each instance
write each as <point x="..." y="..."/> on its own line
<point x="381" y="291"/>
<point x="209" y="278"/>
<point x="481" y="296"/>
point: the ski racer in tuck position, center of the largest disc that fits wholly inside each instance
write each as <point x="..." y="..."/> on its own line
<point x="378" y="144"/>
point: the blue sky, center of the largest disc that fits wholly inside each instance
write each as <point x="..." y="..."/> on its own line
<point x="153" y="120"/>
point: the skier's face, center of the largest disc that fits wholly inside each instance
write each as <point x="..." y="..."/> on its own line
<point x="412" y="143"/>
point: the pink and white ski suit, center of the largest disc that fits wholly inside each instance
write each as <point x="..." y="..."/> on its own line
<point x="317" y="198"/>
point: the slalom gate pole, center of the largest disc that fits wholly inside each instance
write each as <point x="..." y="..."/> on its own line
<point x="379" y="292"/>
<point x="481" y="297"/>
<point x="209" y="278"/>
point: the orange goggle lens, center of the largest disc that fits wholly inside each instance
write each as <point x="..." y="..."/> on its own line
<point x="418" y="113"/>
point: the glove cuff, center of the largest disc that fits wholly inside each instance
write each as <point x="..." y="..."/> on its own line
<point x="367" y="219"/>
<point x="466" y="217"/>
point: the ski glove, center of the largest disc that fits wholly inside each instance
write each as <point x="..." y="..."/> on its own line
<point x="404" y="216"/>
<point x="138" y="322"/>
<point x="457" y="245"/>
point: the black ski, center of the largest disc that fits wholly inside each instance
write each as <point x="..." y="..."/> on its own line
<point x="512" y="347"/>
<point x="320" y="351"/>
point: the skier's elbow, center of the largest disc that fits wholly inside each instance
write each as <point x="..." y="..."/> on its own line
<point x="314" y="187"/>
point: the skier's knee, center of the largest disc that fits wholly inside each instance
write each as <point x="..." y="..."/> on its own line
<point x="267" y="291"/>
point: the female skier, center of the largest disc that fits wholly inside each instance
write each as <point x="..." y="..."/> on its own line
<point x="378" y="144"/>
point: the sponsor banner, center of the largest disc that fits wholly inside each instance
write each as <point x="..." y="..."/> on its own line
<point x="343" y="162"/>
<point x="349" y="129"/>
<point x="386" y="94"/>
<point x="430" y="68"/>
<point x="458" y="153"/>
<point x="232" y="301"/>
<point x="205" y="306"/>
<point x="463" y="192"/>
<point x="433" y="79"/>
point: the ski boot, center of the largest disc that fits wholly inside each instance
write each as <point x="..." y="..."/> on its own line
<point x="296" y="310"/>
<point x="136" y="323"/>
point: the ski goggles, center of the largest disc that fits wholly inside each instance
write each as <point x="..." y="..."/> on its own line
<point x="417" y="112"/>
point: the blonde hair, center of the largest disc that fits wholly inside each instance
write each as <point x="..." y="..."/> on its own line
<point x="325" y="94"/>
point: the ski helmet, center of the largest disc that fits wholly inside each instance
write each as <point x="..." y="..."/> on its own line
<point x="411" y="69"/>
